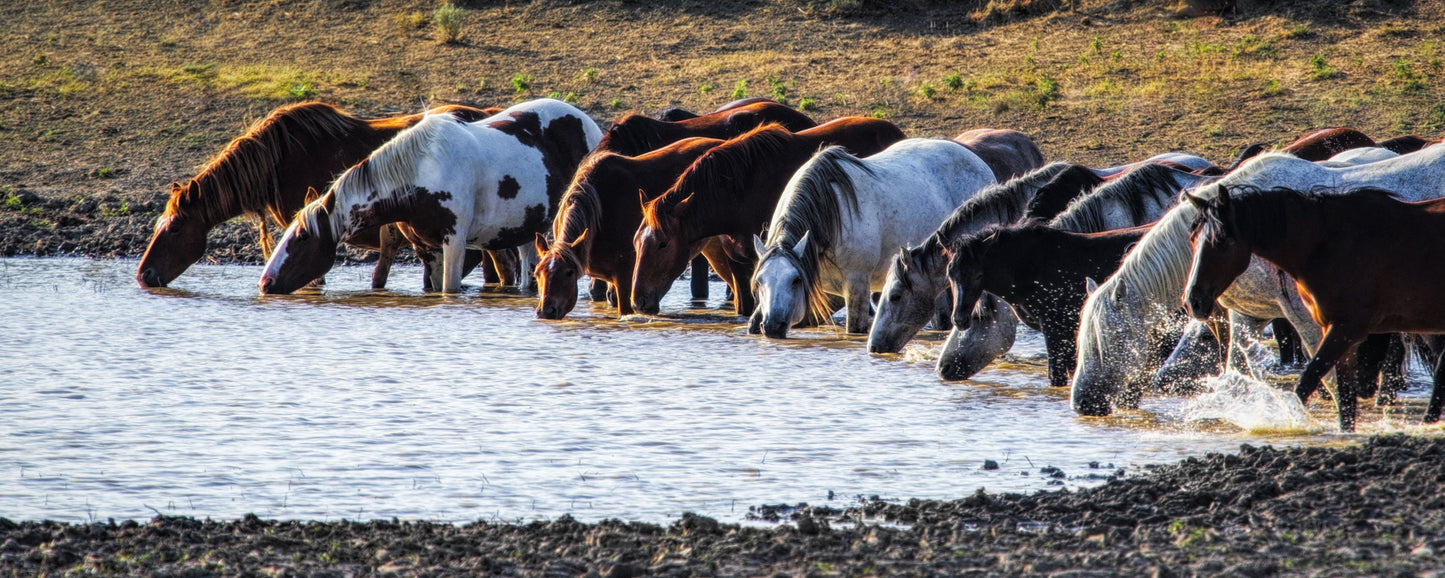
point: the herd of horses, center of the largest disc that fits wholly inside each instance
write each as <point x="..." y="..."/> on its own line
<point x="1333" y="238"/>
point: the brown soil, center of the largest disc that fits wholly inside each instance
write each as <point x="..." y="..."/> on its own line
<point x="1371" y="510"/>
<point x="104" y="104"/>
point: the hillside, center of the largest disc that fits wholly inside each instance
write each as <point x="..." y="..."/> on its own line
<point x="102" y="105"/>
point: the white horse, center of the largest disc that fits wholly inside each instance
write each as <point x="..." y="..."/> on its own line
<point x="1124" y="320"/>
<point x="841" y="218"/>
<point x="490" y="184"/>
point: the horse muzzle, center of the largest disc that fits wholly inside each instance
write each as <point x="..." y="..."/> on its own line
<point x="878" y="344"/>
<point x="1199" y="306"/>
<point x="1090" y="401"/>
<point x="149" y="278"/>
<point x="551" y="311"/>
<point x="775" y="330"/>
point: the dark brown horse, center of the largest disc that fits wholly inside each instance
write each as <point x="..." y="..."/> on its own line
<point x="636" y="134"/>
<point x="268" y="173"/>
<point x="592" y="233"/>
<point x="732" y="190"/>
<point x="1040" y="270"/>
<point x="1363" y="262"/>
<point x="1313" y="146"/>
<point x="675" y="114"/>
<point x="1009" y="153"/>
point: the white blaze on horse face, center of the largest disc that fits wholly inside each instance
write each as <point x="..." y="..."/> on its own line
<point x="780" y="292"/>
<point x="277" y="261"/>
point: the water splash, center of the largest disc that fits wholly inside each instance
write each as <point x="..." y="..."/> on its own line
<point x="1249" y="404"/>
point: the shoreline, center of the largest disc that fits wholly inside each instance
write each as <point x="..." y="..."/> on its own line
<point x="1362" y="509"/>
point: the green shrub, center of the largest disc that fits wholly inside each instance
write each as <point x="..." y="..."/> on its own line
<point x="448" y="19"/>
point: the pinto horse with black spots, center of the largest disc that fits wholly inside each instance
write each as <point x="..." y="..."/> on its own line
<point x="732" y="190"/>
<point x="489" y="184"/>
<point x="268" y="173"/>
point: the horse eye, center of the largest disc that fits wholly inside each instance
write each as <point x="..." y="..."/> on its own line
<point x="303" y="235"/>
<point x="797" y="282"/>
<point x="895" y="297"/>
<point x="662" y="245"/>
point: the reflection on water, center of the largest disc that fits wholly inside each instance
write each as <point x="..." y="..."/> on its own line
<point x="209" y="400"/>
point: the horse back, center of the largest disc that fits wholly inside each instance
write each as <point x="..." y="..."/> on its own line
<point x="860" y="136"/>
<point x="1009" y="153"/>
<point x="1325" y="143"/>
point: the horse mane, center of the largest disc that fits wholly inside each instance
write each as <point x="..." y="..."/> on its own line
<point x="712" y="177"/>
<point x="1055" y="196"/>
<point x="1088" y="213"/>
<point x="809" y="206"/>
<point x="997" y="203"/>
<point x="242" y="178"/>
<point x="389" y="172"/>
<point x="634" y="134"/>
<point x="579" y="210"/>
<point x="1260" y="215"/>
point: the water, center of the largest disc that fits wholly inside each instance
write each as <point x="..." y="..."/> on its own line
<point x="208" y="400"/>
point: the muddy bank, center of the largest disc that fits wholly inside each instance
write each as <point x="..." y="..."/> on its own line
<point x="1373" y="509"/>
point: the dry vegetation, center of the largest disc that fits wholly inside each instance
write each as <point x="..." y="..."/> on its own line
<point x="147" y="91"/>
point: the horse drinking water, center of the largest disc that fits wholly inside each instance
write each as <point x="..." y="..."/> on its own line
<point x="492" y="183"/>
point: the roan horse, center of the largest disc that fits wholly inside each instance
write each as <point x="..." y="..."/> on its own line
<point x="840" y="218"/>
<point x="1122" y="322"/>
<point x="267" y="173"/>
<point x="732" y="190"/>
<point x="592" y="233"/>
<point x="492" y="183"/>
<point x="1363" y="261"/>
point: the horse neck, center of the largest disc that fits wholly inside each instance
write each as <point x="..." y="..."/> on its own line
<point x="642" y="135"/>
<point x="744" y="207"/>
<point x="1160" y="262"/>
<point x="1303" y="225"/>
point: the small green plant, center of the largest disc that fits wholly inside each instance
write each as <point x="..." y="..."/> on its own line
<point x="1096" y="45"/>
<point x="807" y="104"/>
<point x="840" y="98"/>
<point x="1048" y="89"/>
<point x="120" y="211"/>
<point x="927" y="90"/>
<point x="615" y="103"/>
<point x="570" y="98"/>
<point x="1409" y="80"/>
<point x="448" y="19"/>
<point x="953" y="81"/>
<point x="740" y="90"/>
<point x="40" y="59"/>
<point x="589" y="74"/>
<point x="406" y="23"/>
<point x="13" y="203"/>
<point x="522" y="82"/>
<point x="1214" y="131"/>
<point x="1321" y="70"/>
<point x="1299" y="31"/>
<point x="52" y="38"/>
<point x="105" y="172"/>
<point x="1273" y="88"/>
<point x="706" y="88"/>
<point x="303" y="91"/>
<point x="880" y="111"/>
<point x="1393" y="31"/>
<point x="779" y="88"/>
<point x="194" y="140"/>
<point x="484" y="84"/>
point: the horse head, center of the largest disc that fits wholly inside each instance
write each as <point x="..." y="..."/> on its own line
<point x="306" y="252"/>
<point x="663" y="251"/>
<point x="1220" y="256"/>
<point x="990" y="334"/>
<point x="908" y="300"/>
<point x="557" y="274"/>
<point x="965" y="273"/>
<point x="178" y="242"/>
<point x="1114" y="349"/>
<point x="780" y="285"/>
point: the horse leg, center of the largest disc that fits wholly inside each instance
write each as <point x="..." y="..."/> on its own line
<point x="1369" y="358"/>
<point x="504" y="262"/>
<point x="622" y="290"/>
<point x="728" y="269"/>
<point x="699" y="278"/>
<point x="1060" y="340"/>
<point x="943" y="311"/>
<point x="390" y="242"/>
<point x="1243" y="332"/>
<point x="1392" y="371"/>
<point x="1336" y="343"/>
<point x="430" y="268"/>
<point x="743" y="300"/>
<point x="454" y="254"/>
<point x="470" y="260"/>
<point x="1288" y="341"/>
<point x="856" y="297"/>
<point x="599" y="291"/>
<point x="1437" y="392"/>
<point x="526" y="262"/>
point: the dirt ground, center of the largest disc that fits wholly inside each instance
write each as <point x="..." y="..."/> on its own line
<point x="1370" y="510"/>
<point x="102" y="105"/>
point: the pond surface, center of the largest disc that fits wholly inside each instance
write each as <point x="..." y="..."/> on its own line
<point x="209" y="400"/>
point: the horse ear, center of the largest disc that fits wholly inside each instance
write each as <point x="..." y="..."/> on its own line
<point x="682" y="205"/>
<point x="579" y="238"/>
<point x="759" y="246"/>
<point x="541" y="244"/>
<point x="1090" y="286"/>
<point x="1195" y="200"/>
<point x="642" y="198"/>
<point x="1121" y="290"/>
<point x="1223" y="197"/>
<point x="903" y="256"/>
<point x="802" y="244"/>
<point x="312" y="194"/>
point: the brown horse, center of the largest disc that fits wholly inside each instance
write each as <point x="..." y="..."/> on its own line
<point x="732" y="191"/>
<point x="268" y="173"/>
<point x="1041" y="270"/>
<point x="1364" y="262"/>
<point x="675" y="114"/>
<point x="1313" y="146"/>
<point x="1009" y="153"/>
<point x="636" y="134"/>
<point x="592" y="232"/>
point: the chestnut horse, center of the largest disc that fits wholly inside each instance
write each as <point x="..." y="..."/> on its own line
<point x="493" y="183"/>
<point x="636" y="134"/>
<point x="268" y="173"/>
<point x="1364" y="262"/>
<point x="1038" y="269"/>
<point x="675" y="114"/>
<point x="1312" y="146"/>
<point x="592" y="233"/>
<point x="732" y="191"/>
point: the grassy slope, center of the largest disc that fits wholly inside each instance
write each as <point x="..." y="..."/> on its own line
<point x="149" y="91"/>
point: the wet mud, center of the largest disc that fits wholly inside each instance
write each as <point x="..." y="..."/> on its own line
<point x="1372" y="509"/>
